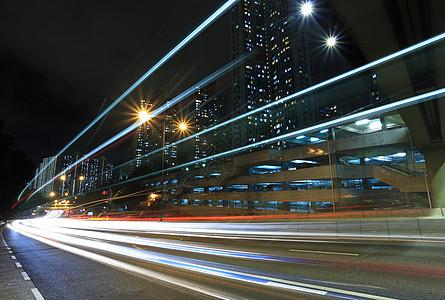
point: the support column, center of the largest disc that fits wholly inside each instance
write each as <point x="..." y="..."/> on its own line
<point x="225" y="202"/>
<point x="250" y="203"/>
<point x="285" y="185"/>
<point x="207" y="192"/>
<point x="435" y="165"/>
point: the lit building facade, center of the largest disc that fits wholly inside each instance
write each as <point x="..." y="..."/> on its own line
<point x="144" y="135"/>
<point x="91" y="174"/>
<point x="203" y="110"/>
<point x="278" y="64"/>
<point x="44" y="173"/>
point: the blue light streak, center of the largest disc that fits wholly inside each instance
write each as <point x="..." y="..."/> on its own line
<point x="92" y="152"/>
<point x="33" y="229"/>
<point x="324" y="83"/>
<point x="340" y="121"/>
<point x="336" y="122"/>
<point x="186" y="94"/>
<point x="169" y="55"/>
<point x="311" y="89"/>
<point x="158" y="111"/>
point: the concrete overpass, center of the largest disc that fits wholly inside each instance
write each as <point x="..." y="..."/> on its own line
<point x="400" y="24"/>
<point x="237" y="181"/>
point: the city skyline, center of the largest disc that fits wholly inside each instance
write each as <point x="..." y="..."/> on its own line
<point x="276" y="47"/>
<point x="233" y="149"/>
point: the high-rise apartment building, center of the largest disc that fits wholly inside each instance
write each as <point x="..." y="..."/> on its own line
<point x="171" y="136"/>
<point x="45" y="173"/>
<point x="202" y="110"/>
<point x="145" y="134"/>
<point x="278" y="64"/>
<point x="89" y="175"/>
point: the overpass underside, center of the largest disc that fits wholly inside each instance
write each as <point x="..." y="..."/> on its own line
<point x="352" y="166"/>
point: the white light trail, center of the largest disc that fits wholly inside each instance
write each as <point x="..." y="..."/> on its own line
<point x="219" y="12"/>
<point x="336" y="122"/>
<point x="124" y="266"/>
<point x="208" y="268"/>
<point x="295" y="134"/>
<point x="261" y="231"/>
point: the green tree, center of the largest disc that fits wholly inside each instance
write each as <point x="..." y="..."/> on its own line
<point x="15" y="170"/>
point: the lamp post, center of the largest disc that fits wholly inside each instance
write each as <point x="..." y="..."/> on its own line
<point x="144" y="117"/>
<point x="182" y="126"/>
<point x="81" y="178"/>
<point x="63" y="178"/>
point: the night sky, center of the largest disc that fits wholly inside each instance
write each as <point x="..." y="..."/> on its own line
<point x="61" y="62"/>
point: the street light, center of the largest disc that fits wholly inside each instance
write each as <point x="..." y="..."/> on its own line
<point x="306" y="8"/>
<point x="182" y="126"/>
<point x="52" y="194"/>
<point x="63" y="178"/>
<point x="81" y="178"/>
<point x="143" y="116"/>
<point x="331" y="41"/>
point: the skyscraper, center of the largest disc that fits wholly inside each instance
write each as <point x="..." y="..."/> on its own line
<point x="46" y="172"/>
<point x="202" y="111"/>
<point x="89" y="175"/>
<point x="279" y="64"/>
<point x="145" y="134"/>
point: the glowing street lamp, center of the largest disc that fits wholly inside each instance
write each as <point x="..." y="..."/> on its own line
<point x="182" y="126"/>
<point x="143" y="116"/>
<point x="81" y="178"/>
<point x="63" y="178"/>
<point x="52" y="194"/>
<point x="331" y="41"/>
<point x="306" y="8"/>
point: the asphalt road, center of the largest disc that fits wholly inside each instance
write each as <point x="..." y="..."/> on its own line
<point x="174" y="261"/>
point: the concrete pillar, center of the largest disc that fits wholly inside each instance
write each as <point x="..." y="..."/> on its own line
<point x="383" y="122"/>
<point x="285" y="185"/>
<point x="364" y="180"/>
<point x="250" y="204"/>
<point x="435" y="165"/>
<point x="225" y="202"/>
<point x="207" y="202"/>
<point x="410" y="160"/>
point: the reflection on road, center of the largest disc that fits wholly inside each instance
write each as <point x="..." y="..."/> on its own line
<point x="263" y="256"/>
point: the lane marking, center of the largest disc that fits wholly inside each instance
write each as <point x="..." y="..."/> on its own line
<point x="288" y="284"/>
<point x="132" y="268"/>
<point x="10" y="252"/>
<point x="7" y="248"/>
<point x="296" y="288"/>
<point x="325" y="252"/>
<point x="18" y="265"/>
<point x="37" y="294"/>
<point x="231" y="274"/>
<point x="13" y="257"/>
<point x="26" y="276"/>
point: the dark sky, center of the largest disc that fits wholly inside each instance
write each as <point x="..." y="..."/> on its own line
<point x="60" y="61"/>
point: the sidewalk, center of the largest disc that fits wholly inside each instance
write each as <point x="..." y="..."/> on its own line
<point x="13" y="284"/>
